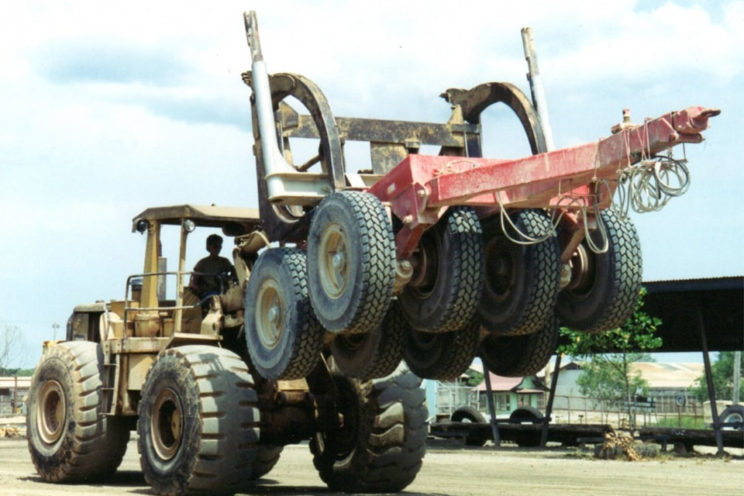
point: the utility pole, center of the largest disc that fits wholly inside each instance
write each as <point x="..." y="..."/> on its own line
<point x="737" y="376"/>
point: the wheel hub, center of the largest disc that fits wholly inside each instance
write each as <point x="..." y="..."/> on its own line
<point x="582" y="270"/>
<point x="425" y="265"/>
<point x="166" y="424"/>
<point x="51" y="413"/>
<point x="332" y="266"/>
<point x="501" y="269"/>
<point x="269" y="321"/>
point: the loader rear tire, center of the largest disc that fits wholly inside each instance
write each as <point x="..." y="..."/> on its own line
<point x="198" y="422"/>
<point x="351" y="262"/>
<point x="521" y="281"/>
<point x="69" y="436"/>
<point x="372" y="354"/>
<point x="448" y="274"/>
<point x="443" y="355"/>
<point x="520" y="356"/>
<point x="381" y="444"/>
<point x="283" y="337"/>
<point x="603" y="291"/>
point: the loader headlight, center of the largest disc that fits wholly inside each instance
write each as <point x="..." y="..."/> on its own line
<point x="189" y="225"/>
<point x="142" y="226"/>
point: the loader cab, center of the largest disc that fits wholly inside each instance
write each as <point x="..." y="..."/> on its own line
<point x="157" y="302"/>
<point x="153" y="311"/>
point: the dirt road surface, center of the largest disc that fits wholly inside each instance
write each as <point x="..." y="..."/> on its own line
<point x="483" y="472"/>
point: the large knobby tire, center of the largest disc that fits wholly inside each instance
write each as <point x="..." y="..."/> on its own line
<point x="373" y="354"/>
<point x="519" y="356"/>
<point x="444" y="291"/>
<point x="382" y="442"/>
<point x="470" y="415"/>
<point x="198" y="422"/>
<point x="351" y="262"/>
<point x="442" y="356"/>
<point x="283" y="337"/>
<point x="521" y="281"/>
<point x="604" y="287"/>
<point x="70" y="438"/>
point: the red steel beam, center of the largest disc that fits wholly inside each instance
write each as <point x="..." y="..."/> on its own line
<point x="420" y="187"/>
<point x="533" y="181"/>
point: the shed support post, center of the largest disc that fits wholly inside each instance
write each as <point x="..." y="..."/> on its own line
<point x="551" y="397"/>
<point x="491" y="407"/>
<point x="709" y="383"/>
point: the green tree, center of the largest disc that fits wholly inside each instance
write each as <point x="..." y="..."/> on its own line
<point x="723" y="378"/>
<point x="474" y="378"/>
<point x="606" y="371"/>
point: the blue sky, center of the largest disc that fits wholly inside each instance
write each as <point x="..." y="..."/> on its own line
<point x="108" y="108"/>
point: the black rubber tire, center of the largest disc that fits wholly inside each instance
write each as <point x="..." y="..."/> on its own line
<point x="524" y="413"/>
<point x="733" y="413"/>
<point x="446" y="297"/>
<point x="354" y="296"/>
<point x="442" y="356"/>
<point x="520" y="356"/>
<point x="287" y="344"/>
<point x="521" y="281"/>
<point x="373" y="354"/>
<point x="69" y="436"/>
<point x="266" y="458"/>
<point x="610" y="292"/>
<point x="468" y="414"/>
<point x="383" y="442"/>
<point x="526" y="438"/>
<point x="212" y="391"/>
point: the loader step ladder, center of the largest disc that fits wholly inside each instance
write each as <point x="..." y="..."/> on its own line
<point x="110" y="382"/>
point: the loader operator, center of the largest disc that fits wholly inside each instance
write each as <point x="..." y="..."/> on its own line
<point x="212" y="273"/>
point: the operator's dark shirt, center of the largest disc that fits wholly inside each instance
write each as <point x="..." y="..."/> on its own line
<point x="212" y="265"/>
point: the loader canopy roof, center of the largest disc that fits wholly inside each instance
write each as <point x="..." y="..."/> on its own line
<point x="234" y="221"/>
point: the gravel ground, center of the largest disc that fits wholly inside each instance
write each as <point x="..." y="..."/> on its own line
<point x="446" y="471"/>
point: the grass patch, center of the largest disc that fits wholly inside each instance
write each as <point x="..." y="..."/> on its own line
<point x="683" y="422"/>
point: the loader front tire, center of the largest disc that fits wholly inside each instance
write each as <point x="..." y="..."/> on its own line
<point x="198" y="422"/>
<point x="604" y="288"/>
<point x="448" y="274"/>
<point x="351" y="262"/>
<point x="519" y="356"/>
<point x="283" y="337"/>
<point x="69" y="436"/>
<point x="382" y="441"/>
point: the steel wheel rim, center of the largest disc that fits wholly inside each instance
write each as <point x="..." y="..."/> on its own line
<point x="425" y="341"/>
<point x="166" y="424"/>
<point x="426" y="266"/>
<point x="51" y="412"/>
<point x="501" y="269"/>
<point x="333" y="256"/>
<point x="582" y="271"/>
<point x="270" y="315"/>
